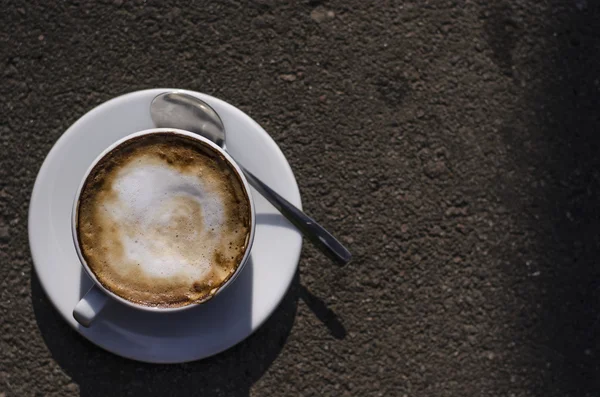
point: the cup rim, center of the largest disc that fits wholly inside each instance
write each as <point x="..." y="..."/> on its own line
<point x="74" y="214"/>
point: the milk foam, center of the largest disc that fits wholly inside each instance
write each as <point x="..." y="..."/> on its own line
<point x="153" y="210"/>
<point x="163" y="221"/>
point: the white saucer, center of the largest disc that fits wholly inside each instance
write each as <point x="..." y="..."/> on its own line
<point x="163" y="338"/>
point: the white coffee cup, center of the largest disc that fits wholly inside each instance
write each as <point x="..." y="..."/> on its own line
<point x="92" y="303"/>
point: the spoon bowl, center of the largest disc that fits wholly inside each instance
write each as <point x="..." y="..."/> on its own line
<point x="186" y="112"/>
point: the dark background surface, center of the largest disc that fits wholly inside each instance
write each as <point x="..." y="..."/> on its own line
<point x="452" y="145"/>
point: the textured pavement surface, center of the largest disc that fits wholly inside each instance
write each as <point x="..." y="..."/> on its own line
<point x="453" y="145"/>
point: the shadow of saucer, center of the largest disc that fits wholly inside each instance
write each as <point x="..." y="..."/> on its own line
<point x="99" y="373"/>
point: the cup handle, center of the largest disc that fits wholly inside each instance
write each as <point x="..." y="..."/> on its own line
<point x="90" y="306"/>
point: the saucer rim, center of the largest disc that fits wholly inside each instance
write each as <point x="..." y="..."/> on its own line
<point x="44" y="173"/>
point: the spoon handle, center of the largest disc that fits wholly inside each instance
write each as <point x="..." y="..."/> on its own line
<point x="320" y="237"/>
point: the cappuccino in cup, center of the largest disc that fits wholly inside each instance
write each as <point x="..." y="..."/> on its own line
<point x="163" y="220"/>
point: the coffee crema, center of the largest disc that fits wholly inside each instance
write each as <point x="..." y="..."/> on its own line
<point x="163" y="220"/>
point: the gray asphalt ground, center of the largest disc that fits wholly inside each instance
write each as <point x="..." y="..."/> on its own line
<point x="452" y="145"/>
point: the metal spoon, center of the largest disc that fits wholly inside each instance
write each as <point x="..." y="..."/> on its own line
<point x="186" y="112"/>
